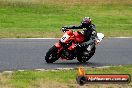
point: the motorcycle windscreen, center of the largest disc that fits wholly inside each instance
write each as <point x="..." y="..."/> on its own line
<point x="100" y="36"/>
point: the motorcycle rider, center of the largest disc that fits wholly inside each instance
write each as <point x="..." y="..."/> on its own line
<point x="89" y="31"/>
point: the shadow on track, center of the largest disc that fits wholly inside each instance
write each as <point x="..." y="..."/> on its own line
<point x="75" y="64"/>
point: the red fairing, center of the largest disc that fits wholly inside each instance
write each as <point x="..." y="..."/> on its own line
<point x="69" y="32"/>
<point x="79" y="37"/>
<point x="58" y="45"/>
<point x="72" y="47"/>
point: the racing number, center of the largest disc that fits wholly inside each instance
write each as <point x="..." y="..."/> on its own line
<point x="65" y="37"/>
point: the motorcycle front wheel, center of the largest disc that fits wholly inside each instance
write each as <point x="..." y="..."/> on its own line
<point x="51" y="55"/>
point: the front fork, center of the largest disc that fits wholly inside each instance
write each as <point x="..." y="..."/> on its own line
<point x="59" y="46"/>
<point x="71" y="47"/>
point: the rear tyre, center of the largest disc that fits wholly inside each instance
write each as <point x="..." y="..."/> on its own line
<point x="83" y="59"/>
<point x="91" y="53"/>
<point x="51" y="55"/>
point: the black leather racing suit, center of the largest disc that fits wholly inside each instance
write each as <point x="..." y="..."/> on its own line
<point x="89" y="33"/>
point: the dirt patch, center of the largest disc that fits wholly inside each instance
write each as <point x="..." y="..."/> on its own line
<point x="54" y="84"/>
<point x="4" y="81"/>
<point x="47" y="84"/>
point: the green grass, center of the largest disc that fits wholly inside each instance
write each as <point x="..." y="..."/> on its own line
<point x="44" y="18"/>
<point x="59" y="79"/>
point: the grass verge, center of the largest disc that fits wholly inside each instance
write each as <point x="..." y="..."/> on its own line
<point x="44" y="18"/>
<point x="59" y="79"/>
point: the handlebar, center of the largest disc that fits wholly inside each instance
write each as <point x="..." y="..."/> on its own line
<point x="64" y="29"/>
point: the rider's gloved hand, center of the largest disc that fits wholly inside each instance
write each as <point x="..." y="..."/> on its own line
<point x="64" y="29"/>
<point x="97" y="42"/>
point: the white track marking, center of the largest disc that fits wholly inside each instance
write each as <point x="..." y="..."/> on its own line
<point x="119" y="37"/>
<point x="59" y="38"/>
<point x="56" y="69"/>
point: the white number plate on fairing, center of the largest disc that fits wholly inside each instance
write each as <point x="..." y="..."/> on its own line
<point x="64" y="37"/>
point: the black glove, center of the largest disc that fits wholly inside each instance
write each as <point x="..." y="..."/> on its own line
<point x="64" y="29"/>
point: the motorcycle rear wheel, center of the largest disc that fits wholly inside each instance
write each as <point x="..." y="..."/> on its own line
<point x="51" y="55"/>
<point x="84" y="59"/>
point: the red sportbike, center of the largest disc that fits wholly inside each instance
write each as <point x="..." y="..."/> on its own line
<point x="69" y="47"/>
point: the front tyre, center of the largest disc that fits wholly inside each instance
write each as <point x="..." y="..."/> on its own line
<point x="51" y="55"/>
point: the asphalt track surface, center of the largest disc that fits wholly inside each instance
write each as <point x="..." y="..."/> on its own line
<point x="21" y="54"/>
